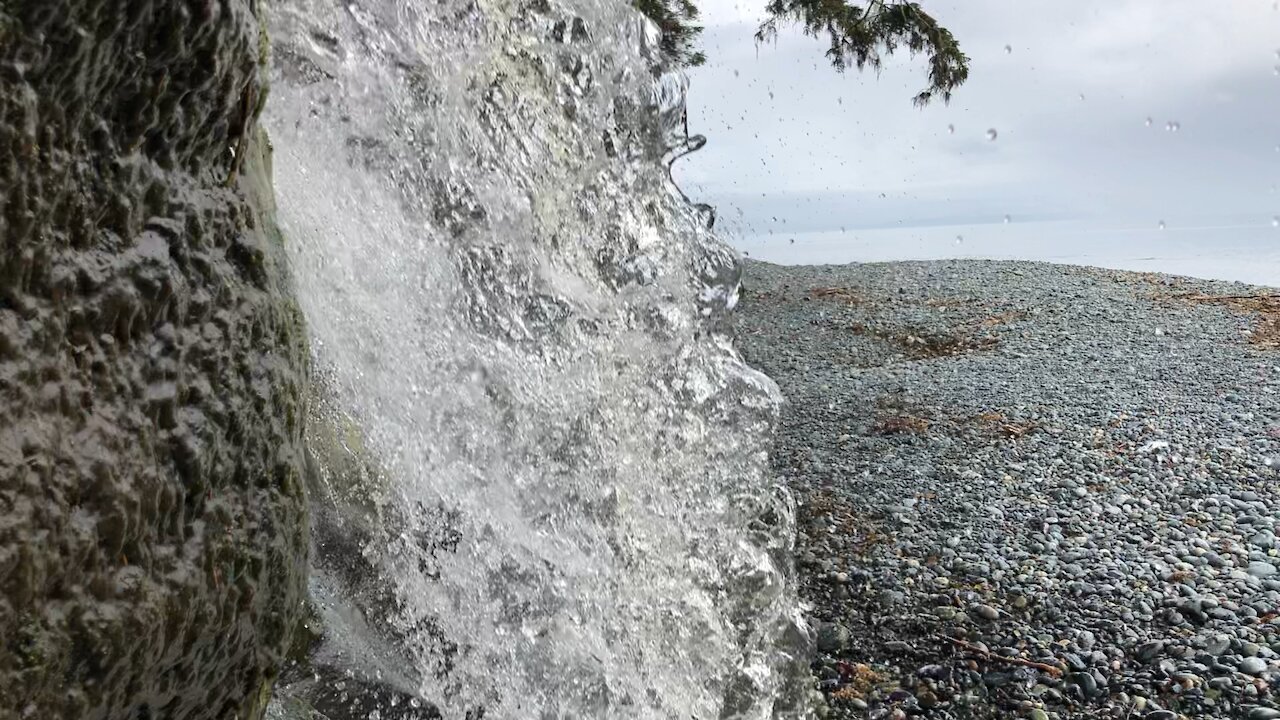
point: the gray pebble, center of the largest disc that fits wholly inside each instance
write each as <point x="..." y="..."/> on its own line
<point x="986" y="612"/>
<point x="1261" y="569"/>
<point x="1218" y="644"/>
<point x="832" y="637"/>
<point x="1149" y="650"/>
<point x="1253" y="666"/>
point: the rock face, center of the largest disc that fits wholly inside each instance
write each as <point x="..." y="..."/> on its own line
<point x="152" y="366"/>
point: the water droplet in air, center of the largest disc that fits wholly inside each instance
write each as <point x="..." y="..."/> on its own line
<point x="1275" y="221"/>
<point x="1172" y="126"/>
<point x="1007" y="219"/>
<point x="1008" y="49"/>
<point x="959" y="239"/>
<point x="951" y="129"/>
<point x="1081" y="96"/>
<point x="992" y="134"/>
<point x="1148" y="122"/>
<point x="1161" y="225"/>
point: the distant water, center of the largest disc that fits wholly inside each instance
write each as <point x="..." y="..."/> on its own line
<point x="1245" y="253"/>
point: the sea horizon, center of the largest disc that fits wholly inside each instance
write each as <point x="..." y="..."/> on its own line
<point x="1248" y="253"/>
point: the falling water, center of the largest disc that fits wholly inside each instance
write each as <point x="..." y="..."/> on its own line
<point x="550" y="497"/>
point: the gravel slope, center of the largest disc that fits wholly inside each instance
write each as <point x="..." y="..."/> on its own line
<point x="1029" y="490"/>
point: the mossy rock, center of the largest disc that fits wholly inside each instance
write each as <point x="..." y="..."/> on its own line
<point x="345" y="475"/>
<point x="153" y="367"/>
<point x="350" y="659"/>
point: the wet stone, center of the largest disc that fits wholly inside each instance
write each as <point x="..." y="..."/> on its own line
<point x="1149" y="650"/>
<point x="832" y="637"/>
<point x="1085" y="681"/>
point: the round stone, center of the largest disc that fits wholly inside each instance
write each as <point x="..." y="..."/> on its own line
<point x="986" y="612"/>
<point x="1255" y="666"/>
<point x="832" y="637"/>
<point x="1260" y="569"/>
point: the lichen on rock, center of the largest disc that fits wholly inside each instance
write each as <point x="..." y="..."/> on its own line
<point x="153" y="367"/>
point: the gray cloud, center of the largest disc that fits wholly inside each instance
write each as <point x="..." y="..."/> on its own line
<point x="791" y="139"/>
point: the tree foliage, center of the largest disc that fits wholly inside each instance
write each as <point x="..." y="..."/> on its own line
<point x="859" y="35"/>
<point x="677" y="20"/>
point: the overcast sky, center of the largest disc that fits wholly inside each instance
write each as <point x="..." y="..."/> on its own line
<point x="795" y="147"/>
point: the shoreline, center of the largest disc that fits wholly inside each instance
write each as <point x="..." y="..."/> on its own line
<point x="1067" y="263"/>
<point x="1243" y="252"/>
<point x="1028" y="489"/>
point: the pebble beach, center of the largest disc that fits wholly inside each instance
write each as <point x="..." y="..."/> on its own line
<point x="1029" y="490"/>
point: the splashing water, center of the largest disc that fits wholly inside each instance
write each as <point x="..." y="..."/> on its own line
<point x="565" y="509"/>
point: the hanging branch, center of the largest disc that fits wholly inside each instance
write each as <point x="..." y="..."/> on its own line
<point x="862" y="36"/>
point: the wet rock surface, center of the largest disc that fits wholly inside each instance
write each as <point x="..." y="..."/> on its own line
<point x="152" y="364"/>
<point x="1028" y="490"/>
<point x="351" y="616"/>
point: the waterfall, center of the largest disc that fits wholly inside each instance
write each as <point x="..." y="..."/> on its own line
<point x="549" y="495"/>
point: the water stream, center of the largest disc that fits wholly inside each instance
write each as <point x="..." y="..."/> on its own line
<point x="556" y="500"/>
